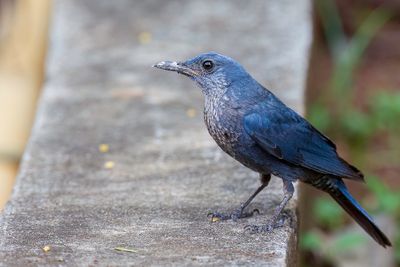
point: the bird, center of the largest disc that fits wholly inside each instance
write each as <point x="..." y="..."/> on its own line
<point x="256" y="128"/>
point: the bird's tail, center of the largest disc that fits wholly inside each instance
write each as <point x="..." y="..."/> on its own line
<point x="339" y="192"/>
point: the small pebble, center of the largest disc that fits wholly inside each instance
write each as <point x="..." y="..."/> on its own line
<point x="144" y="37"/>
<point x="103" y="148"/>
<point x="46" y="248"/>
<point x="109" y="164"/>
<point x="191" y="112"/>
<point x="215" y="219"/>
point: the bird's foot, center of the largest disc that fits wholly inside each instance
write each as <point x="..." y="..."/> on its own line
<point x="271" y="225"/>
<point x="234" y="216"/>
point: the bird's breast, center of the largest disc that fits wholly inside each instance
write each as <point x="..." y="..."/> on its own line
<point x="223" y="124"/>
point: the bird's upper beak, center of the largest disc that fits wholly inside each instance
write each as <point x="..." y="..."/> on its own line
<point x="177" y="67"/>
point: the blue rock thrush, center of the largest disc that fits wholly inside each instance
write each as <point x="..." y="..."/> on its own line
<point x="254" y="127"/>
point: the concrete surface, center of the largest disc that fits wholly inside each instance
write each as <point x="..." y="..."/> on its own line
<point x="168" y="173"/>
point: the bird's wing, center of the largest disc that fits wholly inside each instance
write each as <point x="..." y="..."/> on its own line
<point x="289" y="137"/>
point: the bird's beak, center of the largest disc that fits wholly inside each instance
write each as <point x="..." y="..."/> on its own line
<point x="177" y="67"/>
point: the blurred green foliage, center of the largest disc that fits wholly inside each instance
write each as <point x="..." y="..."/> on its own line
<point x="335" y="114"/>
<point x="385" y="109"/>
<point x="388" y="201"/>
<point x="328" y="213"/>
<point x="340" y="244"/>
<point x="311" y="241"/>
<point x="356" y="127"/>
<point x="383" y="113"/>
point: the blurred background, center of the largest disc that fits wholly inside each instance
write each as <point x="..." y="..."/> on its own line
<point x="353" y="95"/>
<point x="23" y="40"/>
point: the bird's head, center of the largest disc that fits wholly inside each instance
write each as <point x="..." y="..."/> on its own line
<point x="213" y="72"/>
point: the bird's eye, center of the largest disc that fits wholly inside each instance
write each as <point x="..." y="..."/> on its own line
<point x="208" y="65"/>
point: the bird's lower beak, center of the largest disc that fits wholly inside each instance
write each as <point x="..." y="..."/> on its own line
<point x="177" y="67"/>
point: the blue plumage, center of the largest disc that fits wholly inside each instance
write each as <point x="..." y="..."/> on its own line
<point x="253" y="126"/>
<point x="291" y="138"/>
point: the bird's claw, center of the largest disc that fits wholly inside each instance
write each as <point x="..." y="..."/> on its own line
<point x="273" y="224"/>
<point x="253" y="229"/>
<point x="234" y="216"/>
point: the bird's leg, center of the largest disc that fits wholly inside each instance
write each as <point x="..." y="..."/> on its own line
<point x="276" y="220"/>
<point x="239" y="213"/>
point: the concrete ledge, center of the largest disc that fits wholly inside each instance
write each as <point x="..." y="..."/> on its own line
<point x="168" y="173"/>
